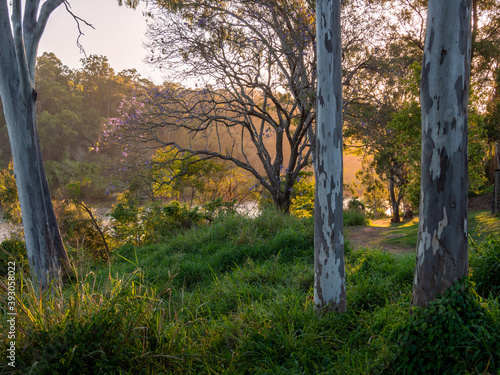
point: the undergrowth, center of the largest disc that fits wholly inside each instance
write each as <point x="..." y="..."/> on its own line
<point x="236" y="297"/>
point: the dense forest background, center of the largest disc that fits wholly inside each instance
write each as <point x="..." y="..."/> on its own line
<point x="74" y="112"/>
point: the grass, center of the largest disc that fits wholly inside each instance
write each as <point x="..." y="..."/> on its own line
<point x="405" y="234"/>
<point x="235" y="297"/>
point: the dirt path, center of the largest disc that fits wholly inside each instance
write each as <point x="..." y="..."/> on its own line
<point x="373" y="236"/>
<point x="378" y="231"/>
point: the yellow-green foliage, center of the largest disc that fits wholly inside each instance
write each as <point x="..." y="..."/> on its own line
<point x="302" y="204"/>
<point x="180" y="175"/>
<point x="8" y="195"/>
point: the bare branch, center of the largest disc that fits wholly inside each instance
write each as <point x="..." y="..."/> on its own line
<point x="78" y="21"/>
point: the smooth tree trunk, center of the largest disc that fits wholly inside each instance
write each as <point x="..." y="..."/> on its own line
<point x="18" y="44"/>
<point x="442" y="254"/>
<point x="329" y="268"/>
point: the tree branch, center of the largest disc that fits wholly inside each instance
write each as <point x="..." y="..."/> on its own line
<point x="80" y="32"/>
<point x="20" y="50"/>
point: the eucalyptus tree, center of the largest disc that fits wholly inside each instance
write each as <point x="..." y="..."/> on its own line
<point x="485" y="54"/>
<point x="442" y="253"/>
<point x="19" y="40"/>
<point x="329" y="265"/>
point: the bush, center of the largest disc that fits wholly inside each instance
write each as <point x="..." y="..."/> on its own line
<point x="217" y="208"/>
<point x="8" y="195"/>
<point x="163" y="221"/>
<point x="13" y="249"/>
<point x="354" y="204"/>
<point x="485" y="266"/>
<point x="156" y="222"/>
<point x="354" y="217"/>
<point x="452" y="335"/>
<point x="62" y="173"/>
<point x="125" y="218"/>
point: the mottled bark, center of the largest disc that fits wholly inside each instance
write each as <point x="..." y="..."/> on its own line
<point x="46" y="254"/>
<point x="329" y="269"/>
<point x="442" y="240"/>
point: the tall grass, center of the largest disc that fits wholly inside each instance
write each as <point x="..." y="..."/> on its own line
<point x="235" y="297"/>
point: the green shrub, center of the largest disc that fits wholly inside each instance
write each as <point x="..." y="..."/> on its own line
<point x="62" y="173"/>
<point x="354" y="217"/>
<point x="217" y="208"/>
<point x="125" y="218"/>
<point x="8" y="195"/>
<point x="485" y="266"/>
<point x="354" y="204"/>
<point x="151" y="224"/>
<point x="454" y="334"/>
<point x="13" y="249"/>
<point x="162" y="221"/>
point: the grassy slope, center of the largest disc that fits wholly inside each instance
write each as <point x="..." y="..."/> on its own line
<point x="235" y="297"/>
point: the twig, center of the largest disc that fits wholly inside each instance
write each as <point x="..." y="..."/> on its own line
<point x="78" y="20"/>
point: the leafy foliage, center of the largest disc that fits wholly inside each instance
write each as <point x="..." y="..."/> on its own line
<point x="157" y="221"/>
<point x="162" y="221"/>
<point x="8" y="195"/>
<point x="302" y="204"/>
<point x="78" y="229"/>
<point x="485" y="266"/>
<point x="374" y="196"/>
<point x="13" y="249"/>
<point x="453" y="334"/>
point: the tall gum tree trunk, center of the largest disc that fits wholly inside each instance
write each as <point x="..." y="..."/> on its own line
<point x="442" y="254"/>
<point x="329" y="267"/>
<point x="46" y="253"/>
<point x="47" y="256"/>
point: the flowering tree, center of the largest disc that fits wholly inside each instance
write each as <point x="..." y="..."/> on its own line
<point x="255" y="105"/>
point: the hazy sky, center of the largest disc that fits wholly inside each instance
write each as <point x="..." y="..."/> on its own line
<point x="119" y="35"/>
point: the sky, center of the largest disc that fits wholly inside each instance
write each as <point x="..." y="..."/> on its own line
<point x="119" y="35"/>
